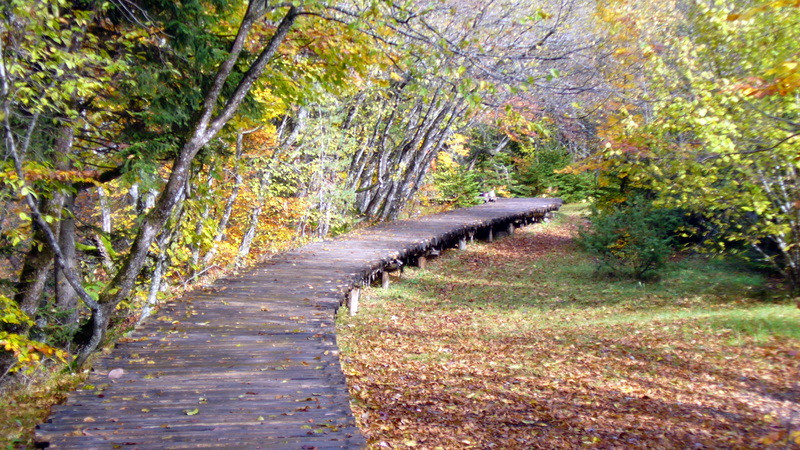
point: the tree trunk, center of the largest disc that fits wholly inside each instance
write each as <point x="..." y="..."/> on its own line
<point x="66" y="297"/>
<point x="105" y="210"/>
<point x="201" y="223"/>
<point x="164" y="240"/>
<point x="222" y="226"/>
<point x="205" y="128"/>
<point x="38" y="261"/>
<point x="255" y="213"/>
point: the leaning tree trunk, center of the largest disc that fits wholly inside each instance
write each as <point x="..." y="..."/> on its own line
<point x="163" y="242"/>
<point x="434" y="137"/>
<point x="205" y="128"/>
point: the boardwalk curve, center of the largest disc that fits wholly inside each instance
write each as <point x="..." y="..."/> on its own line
<point x="253" y="361"/>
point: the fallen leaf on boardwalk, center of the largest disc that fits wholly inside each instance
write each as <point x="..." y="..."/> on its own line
<point x="116" y="374"/>
<point x="191" y="412"/>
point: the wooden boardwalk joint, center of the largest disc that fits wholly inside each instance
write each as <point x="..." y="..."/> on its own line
<point x="253" y="361"/>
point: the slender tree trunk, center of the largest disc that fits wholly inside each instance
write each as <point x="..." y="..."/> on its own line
<point x="201" y="223"/>
<point x="222" y="226"/>
<point x="205" y="128"/>
<point x="105" y="227"/>
<point x="38" y="261"/>
<point x="66" y="297"/>
<point x="105" y="210"/>
<point x="255" y="213"/>
<point x="265" y="179"/>
<point x="163" y="241"/>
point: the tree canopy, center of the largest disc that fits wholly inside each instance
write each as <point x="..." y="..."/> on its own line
<point x="709" y="120"/>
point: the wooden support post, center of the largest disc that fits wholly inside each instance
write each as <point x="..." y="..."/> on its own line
<point x="510" y="228"/>
<point x="384" y="279"/>
<point x="462" y="243"/>
<point x="471" y="236"/>
<point x="422" y="261"/>
<point x="352" y="300"/>
<point x="490" y="237"/>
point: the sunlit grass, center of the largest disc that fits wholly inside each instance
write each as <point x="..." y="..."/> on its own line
<point x="565" y="285"/>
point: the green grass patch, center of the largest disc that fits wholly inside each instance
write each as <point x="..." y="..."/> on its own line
<point x="562" y="289"/>
<point x="26" y="402"/>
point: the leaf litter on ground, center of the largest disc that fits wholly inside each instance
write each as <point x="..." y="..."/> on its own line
<point x="517" y="344"/>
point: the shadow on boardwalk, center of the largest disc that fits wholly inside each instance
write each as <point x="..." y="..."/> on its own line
<point x="253" y="362"/>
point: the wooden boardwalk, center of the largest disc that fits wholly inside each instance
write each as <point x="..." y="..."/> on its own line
<point x="253" y="361"/>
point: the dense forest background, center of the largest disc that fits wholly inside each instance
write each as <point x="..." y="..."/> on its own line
<point x="148" y="144"/>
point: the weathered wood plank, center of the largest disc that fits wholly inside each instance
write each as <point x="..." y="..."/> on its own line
<point x="256" y="355"/>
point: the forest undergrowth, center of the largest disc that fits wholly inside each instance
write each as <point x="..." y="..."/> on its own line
<point x="520" y="344"/>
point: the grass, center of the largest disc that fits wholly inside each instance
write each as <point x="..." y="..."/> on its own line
<point x="519" y="343"/>
<point x="26" y="403"/>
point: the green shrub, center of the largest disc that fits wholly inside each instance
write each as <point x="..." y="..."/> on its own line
<point x="632" y="239"/>
<point x="457" y="186"/>
<point x="537" y="173"/>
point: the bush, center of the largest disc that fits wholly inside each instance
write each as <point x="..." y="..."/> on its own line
<point x="538" y="172"/>
<point x="457" y="186"/>
<point x="632" y="239"/>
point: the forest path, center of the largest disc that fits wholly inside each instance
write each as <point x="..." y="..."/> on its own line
<point x="252" y="362"/>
